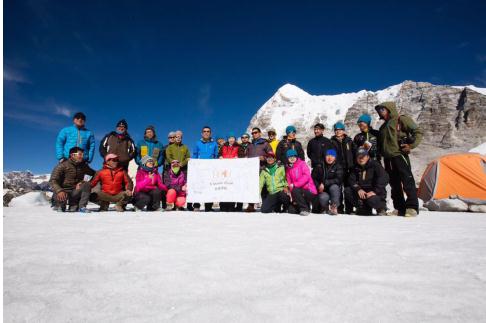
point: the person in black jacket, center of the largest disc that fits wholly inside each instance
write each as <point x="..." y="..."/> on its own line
<point x="344" y="147"/>
<point x="317" y="147"/>
<point x="328" y="180"/>
<point x="367" y="138"/>
<point x="367" y="183"/>
<point x="287" y="144"/>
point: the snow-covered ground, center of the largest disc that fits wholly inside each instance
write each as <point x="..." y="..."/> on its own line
<point x="222" y="267"/>
<point x="481" y="149"/>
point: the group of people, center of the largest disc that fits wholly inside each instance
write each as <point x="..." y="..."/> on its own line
<point x="345" y="175"/>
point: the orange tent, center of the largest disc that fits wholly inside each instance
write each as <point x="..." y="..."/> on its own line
<point x="457" y="174"/>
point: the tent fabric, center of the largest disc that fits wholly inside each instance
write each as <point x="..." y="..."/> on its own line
<point x="457" y="174"/>
<point x="428" y="181"/>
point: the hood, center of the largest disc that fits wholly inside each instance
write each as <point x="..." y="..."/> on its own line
<point x="297" y="163"/>
<point x="105" y="166"/>
<point x="390" y="106"/>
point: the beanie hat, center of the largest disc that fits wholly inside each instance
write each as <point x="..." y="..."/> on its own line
<point x="230" y="135"/>
<point x="339" y="126"/>
<point x="361" y="152"/>
<point x="123" y="123"/>
<point x="80" y="115"/>
<point x="171" y="134"/>
<point x="331" y="152"/>
<point x="291" y="153"/>
<point x="145" y="159"/>
<point x="366" y="118"/>
<point x="110" y="156"/>
<point x="270" y="154"/>
<point x="246" y="134"/>
<point x="290" y="129"/>
<point x="320" y="126"/>
<point x="271" y="130"/>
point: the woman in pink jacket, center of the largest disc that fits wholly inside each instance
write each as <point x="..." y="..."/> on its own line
<point x="301" y="185"/>
<point x="149" y="189"/>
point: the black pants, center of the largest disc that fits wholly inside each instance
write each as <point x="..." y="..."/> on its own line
<point x="275" y="202"/>
<point x="301" y="199"/>
<point x="207" y="206"/>
<point x="239" y="207"/>
<point x="150" y="199"/>
<point x="364" y="206"/>
<point x="401" y="180"/>
<point x="227" y="206"/>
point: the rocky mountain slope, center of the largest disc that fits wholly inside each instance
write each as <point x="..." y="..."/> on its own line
<point x="453" y="117"/>
<point x="20" y="182"/>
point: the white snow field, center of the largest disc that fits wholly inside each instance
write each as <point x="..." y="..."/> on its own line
<point x="223" y="267"/>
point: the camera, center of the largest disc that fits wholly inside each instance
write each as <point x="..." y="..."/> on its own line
<point x="408" y="140"/>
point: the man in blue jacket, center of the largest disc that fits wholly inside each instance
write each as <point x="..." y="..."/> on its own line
<point x="75" y="136"/>
<point x="206" y="148"/>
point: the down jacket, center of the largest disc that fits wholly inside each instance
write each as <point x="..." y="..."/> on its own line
<point x="73" y="136"/>
<point x="299" y="175"/>
<point x="146" y="184"/>
<point x="113" y="181"/>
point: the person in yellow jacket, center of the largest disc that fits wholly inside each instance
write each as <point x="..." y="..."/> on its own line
<point x="272" y="140"/>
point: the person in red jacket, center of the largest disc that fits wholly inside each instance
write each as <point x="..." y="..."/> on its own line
<point x="230" y="147"/>
<point x="116" y="185"/>
<point x="230" y="150"/>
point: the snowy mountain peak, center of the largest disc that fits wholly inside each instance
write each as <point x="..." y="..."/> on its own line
<point x="290" y="91"/>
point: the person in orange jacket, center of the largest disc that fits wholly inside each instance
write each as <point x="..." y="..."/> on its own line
<point x="116" y="185"/>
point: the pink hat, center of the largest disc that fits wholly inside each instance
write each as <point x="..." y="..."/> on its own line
<point x="110" y="156"/>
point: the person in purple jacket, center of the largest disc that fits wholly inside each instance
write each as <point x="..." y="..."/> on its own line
<point x="176" y="182"/>
<point x="301" y="185"/>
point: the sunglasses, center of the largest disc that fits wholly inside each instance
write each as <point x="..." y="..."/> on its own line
<point x="255" y="133"/>
<point x="245" y="137"/>
<point x="171" y="137"/>
<point x="206" y="130"/>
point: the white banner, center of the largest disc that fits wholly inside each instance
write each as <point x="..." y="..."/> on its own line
<point x="223" y="180"/>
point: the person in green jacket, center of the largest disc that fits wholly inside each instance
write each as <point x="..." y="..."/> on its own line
<point x="273" y="178"/>
<point x="398" y="135"/>
<point x="178" y="151"/>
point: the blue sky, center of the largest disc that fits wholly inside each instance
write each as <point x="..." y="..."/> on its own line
<point x="184" y="64"/>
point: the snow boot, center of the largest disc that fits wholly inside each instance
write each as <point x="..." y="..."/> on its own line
<point x="409" y="213"/>
<point x="333" y="210"/>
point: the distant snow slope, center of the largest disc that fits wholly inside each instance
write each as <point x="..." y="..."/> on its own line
<point x="29" y="200"/>
<point x="188" y="267"/>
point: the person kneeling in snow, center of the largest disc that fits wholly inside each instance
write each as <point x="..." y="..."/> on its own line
<point x="273" y="177"/>
<point x="367" y="183"/>
<point x="300" y="183"/>
<point x="328" y="179"/>
<point x="149" y="189"/>
<point x="116" y="185"/>
<point x="175" y="179"/>
<point x="67" y="182"/>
